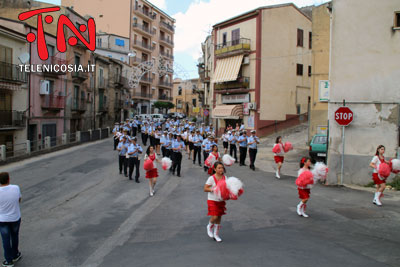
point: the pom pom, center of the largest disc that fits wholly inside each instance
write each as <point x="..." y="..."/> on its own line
<point x="148" y="165"/>
<point x="166" y="163"/>
<point x="228" y="160"/>
<point x="235" y="187"/>
<point x="276" y="149"/>
<point x="209" y="162"/>
<point x="395" y="165"/>
<point x="320" y="171"/>
<point x="384" y="170"/>
<point x="287" y="147"/>
<point x="221" y="190"/>
<point x="304" y="179"/>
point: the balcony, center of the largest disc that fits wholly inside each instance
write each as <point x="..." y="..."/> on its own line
<point x="53" y="102"/>
<point x="51" y="61"/>
<point x="143" y="46"/>
<point x="142" y="95"/>
<point x="78" y="76"/>
<point x="121" y="104"/>
<point x="144" y="79"/>
<point x="102" y="83"/>
<point x="79" y="105"/>
<point x="165" y="84"/>
<point x="167" y="41"/>
<point x="12" y="73"/>
<point x="145" y="30"/>
<point x="242" y="83"/>
<point x="169" y="56"/>
<point x="103" y="107"/>
<point x="165" y="98"/>
<point x="167" y="26"/>
<point x="232" y="48"/>
<point x="11" y="119"/>
<point x="137" y="61"/>
<point x="145" y="13"/>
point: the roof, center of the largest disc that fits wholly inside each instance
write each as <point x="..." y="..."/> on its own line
<point x="256" y="11"/>
<point x="26" y="25"/>
<point x="105" y="33"/>
<point x="159" y="10"/>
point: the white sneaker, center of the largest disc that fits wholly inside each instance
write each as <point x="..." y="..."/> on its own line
<point x="302" y="210"/>
<point x="151" y="193"/>
<point x="216" y="233"/>
<point x="299" y="206"/>
<point x="210" y="227"/>
<point x="377" y="201"/>
<point x="277" y="175"/>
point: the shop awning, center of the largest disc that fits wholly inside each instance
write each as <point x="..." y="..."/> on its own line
<point x="228" y="112"/>
<point x="227" y="69"/>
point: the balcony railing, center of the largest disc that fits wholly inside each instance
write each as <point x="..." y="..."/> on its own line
<point x="141" y="94"/>
<point x="143" y="45"/>
<point x="53" y="102"/>
<point x="166" y="55"/>
<point x="55" y="60"/>
<point x="167" y="26"/>
<point x="102" y="83"/>
<point x="165" y="84"/>
<point x="12" y="73"/>
<point x="240" y="83"/>
<point x="242" y="44"/>
<point x="12" y="119"/>
<point x="144" y="28"/>
<point x="103" y="107"/>
<point x="145" y="12"/>
<point x="146" y="79"/>
<point x="79" y="105"/>
<point x="167" y="40"/>
<point x="164" y="97"/>
<point x="79" y="76"/>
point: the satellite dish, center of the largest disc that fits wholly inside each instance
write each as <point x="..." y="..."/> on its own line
<point x="24" y="57"/>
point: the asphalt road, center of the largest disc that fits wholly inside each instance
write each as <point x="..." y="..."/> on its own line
<point x="77" y="210"/>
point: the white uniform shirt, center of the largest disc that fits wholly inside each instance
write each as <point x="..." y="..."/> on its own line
<point x="9" y="203"/>
<point x="211" y="195"/>
<point x="377" y="162"/>
<point x="282" y="153"/>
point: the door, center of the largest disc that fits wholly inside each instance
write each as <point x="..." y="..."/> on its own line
<point x="5" y="109"/>
<point x="32" y="136"/>
<point x="50" y="130"/>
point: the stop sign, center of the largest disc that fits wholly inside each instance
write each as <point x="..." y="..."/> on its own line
<point x="343" y="116"/>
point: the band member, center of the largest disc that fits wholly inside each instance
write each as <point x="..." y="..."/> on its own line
<point x="157" y="137"/>
<point x="144" y="130"/>
<point x="122" y="150"/>
<point x="242" y="140"/>
<point x="168" y="146"/>
<point x="115" y="134"/>
<point x="378" y="180"/>
<point x="197" y="142"/>
<point x="134" y="150"/>
<point x="206" y="145"/>
<point x="153" y="173"/>
<point x="252" y="142"/>
<point x="225" y="141"/>
<point x="191" y="145"/>
<point x="177" y="146"/>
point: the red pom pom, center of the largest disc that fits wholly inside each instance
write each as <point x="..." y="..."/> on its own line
<point x="384" y="170"/>
<point x="276" y="149"/>
<point x="148" y="165"/>
<point x="164" y="166"/>
<point x="287" y="147"/>
<point x="221" y="190"/>
<point x="241" y="191"/>
<point x="305" y="178"/>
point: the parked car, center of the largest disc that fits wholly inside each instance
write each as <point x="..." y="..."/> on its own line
<point x="318" y="147"/>
<point x="157" y="117"/>
<point x="177" y="115"/>
<point x="143" y="116"/>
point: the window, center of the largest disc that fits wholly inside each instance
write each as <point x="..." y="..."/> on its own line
<point x="397" y="19"/>
<point x="309" y="71"/>
<point x="77" y="60"/>
<point x="194" y="102"/>
<point x="5" y="54"/>
<point x="50" y="48"/>
<point x="299" y="69"/>
<point x="99" y="42"/>
<point x="235" y="36"/>
<point x="180" y="90"/>
<point x="119" y="42"/>
<point x="298" y="109"/>
<point x="224" y="38"/>
<point x="309" y="40"/>
<point x="300" y="37"/>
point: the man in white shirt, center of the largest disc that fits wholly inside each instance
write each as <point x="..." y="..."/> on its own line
<point x="10" y="219"/>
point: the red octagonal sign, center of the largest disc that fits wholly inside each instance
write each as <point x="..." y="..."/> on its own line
<point x="343" y="116"/>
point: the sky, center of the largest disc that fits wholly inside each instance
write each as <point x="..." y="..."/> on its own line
<point x="194" y="21"/>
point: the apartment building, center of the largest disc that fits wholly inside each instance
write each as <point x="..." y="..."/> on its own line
<point x="188" y="97"/>
<point x="365" y="71"/>
<point x="206" y="71"/>
<point x="262" y="68"/>
<point x="113" y="46"/>
<point x="13" y="86"/>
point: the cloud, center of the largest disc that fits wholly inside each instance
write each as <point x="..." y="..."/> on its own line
<point x="193" y="26"/>
<point x="162" y="4"/>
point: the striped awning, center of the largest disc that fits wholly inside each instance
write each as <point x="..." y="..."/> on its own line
<point x="227" y="69"/>
<point x="228" y="112"/>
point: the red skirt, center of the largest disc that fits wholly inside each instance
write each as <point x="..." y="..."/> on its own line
<point x="152" y="173"/>
<point x="376" y="179"/>
<point x="216" y="208"/>
<point x="304" y="193"/>
<point x="278" y="159"/>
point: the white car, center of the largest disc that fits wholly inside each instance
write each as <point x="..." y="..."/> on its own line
<point x="157" y="117"/>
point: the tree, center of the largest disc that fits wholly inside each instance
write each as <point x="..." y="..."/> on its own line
<point x="163" y="105"/>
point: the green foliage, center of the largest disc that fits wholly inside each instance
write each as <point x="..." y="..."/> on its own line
<point x="395" y="183"/>
<point x="370" y="184"/>
<point x="194" y="119"/>
<point x="163" y="105"/>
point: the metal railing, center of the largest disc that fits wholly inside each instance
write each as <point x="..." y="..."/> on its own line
<point x="145" y="12"/>
<point x="240" y="83"/>
<point x="233" y="42"/>
<point x="12" y="118"/>
<point x="167" y="26"/>
<point x="165" y="84"/>
<point x="12" y="73"/>
<point x="79" y="75"/>
<point x="146" y="79"/>
<point x="166" y="55"/>
<point x="164" y="97"/>
<point x="53" y="101"/>
<point x="145" y="95"/>
<point x="144" y="28"/>
<point x="102" y="83"/>
<point x="143" y="44"/>
<point x="167" y="40"/>
<point x="79" y="104"/>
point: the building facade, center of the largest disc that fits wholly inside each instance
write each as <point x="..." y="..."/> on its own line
<point x="365" y="72"/>
<point x="112" y="46"/>
<point x="188" y="97"/>
<point x="261" y="74"/>
<point x="206" y="71"/>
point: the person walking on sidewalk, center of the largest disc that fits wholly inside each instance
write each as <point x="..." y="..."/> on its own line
<point x="10" y="219"/>
<point x="242" y="140"/>
<point x="216" y="206"/>
<point x="134" y="150"/>
<point x="252" y="142"/>
<point x="378" y="180"/>
<point x="153" y="173"/>
<point x="278" y="157"/>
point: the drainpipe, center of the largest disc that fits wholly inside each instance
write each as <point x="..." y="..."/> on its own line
<point x="29" y="90"/>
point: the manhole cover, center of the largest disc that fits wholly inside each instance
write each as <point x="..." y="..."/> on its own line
<point x="359" y="213"/>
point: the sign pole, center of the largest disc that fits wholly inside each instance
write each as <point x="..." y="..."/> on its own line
<point x="343" y="141"/>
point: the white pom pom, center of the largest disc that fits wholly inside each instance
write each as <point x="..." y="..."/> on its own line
<point x="320" y="171"/>
<point x="234" y="185"/>
<point x="228" y="160"/>
<point x="396" y="164"/>
<point x="166" y="163"/>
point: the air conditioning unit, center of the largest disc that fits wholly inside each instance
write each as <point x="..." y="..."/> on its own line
<point x="246" y="60"/>
<point x="44" y="87"/>
<point x="253" y="106"/>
